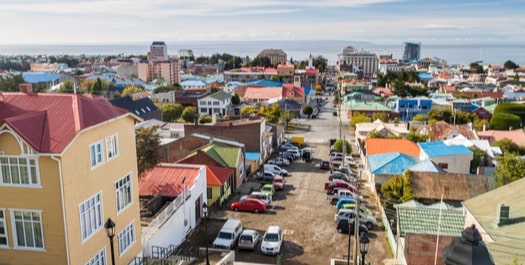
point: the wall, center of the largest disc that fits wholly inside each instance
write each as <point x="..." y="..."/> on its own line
<point x="456" y="163"/>
<point x="421" y="249"/>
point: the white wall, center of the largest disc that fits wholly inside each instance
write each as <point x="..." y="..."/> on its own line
<point x="456" y="163"/>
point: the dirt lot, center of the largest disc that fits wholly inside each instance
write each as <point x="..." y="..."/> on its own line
<point x="305" y="216"/>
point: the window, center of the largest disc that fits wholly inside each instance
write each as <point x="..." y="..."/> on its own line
<point x="27" y="229"/>
<point x="443" y="165"/>
<point x="209" y="193"/>
<point x="112" y="146"/>
<point x="95" y="154"/>
<point x="3" y="233"/>
<point x="91" y="215"/>
<point x="98" y="259"/>
<point x="18" y="171"/>
<point x="126" y="238"/>
<point x="123" y="192"/>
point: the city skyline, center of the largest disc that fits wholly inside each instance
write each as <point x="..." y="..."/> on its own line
<point x="376" y="21"/>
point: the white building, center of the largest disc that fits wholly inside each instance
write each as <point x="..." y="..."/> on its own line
<point x="358" y="61"/>
<point x="216" y="103"/>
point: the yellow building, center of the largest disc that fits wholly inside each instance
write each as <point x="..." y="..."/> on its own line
<point x="67" y="165"/>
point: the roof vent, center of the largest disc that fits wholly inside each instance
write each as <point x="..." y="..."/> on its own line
<point x="503" y="214"/>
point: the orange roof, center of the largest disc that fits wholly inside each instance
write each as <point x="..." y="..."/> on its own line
<point x="217" y="176"/>
<point x="263" y="93"/>
<point x="167" y="180"/>
<point x="375" y="146"/>
<point x="516" y="136"/>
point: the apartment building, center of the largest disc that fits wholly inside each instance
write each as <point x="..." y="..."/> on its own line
<point x="276" y="56"/>
<point x="169" y="70"/>
<point x="364" y="63"/>
<point x="158" y="51"/>
<point x="64" y="171"/>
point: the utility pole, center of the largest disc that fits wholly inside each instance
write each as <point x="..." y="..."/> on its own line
<point x="356" y="219"/>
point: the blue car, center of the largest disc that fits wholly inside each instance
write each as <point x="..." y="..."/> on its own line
<point x="346" y="200"/>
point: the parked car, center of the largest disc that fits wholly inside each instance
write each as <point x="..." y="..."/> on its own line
<point x="272" y="240"/>
<point x="340" y="193"/>
<point x="287" y="155"/>
<point x="248" y="239"/>
<point x="362" y="208"/>
<point x="335" y="156"/>
<point x="278" y="183"/>
<point x="228" y="235"/>
<point x="268" y="188"/>
<point x="280" y="161"/>
<point x="325" y="164"/>
<point x="262" y="196"/>
<point x="341" y="176"/>
<point x="338" y="184"/>
<point x="249" y="205"/>
<point x="369" y="221"/>
<point x="344" y="200"/>
<point x="267" y="176"/>
<point x="342" y="226"/>
<point x="275" y="170"/>
<point x="287" y="146"/>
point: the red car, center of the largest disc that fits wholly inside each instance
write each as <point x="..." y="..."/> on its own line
<point x="249" y="205"/>
<point x="339" y="184"/>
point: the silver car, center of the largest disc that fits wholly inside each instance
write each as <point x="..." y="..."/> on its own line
<point x="248" y="239"/>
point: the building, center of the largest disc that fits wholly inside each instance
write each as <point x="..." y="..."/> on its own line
<point x="169" y="70"/>
<point x="158" y="51"/>
<point x="217" y="103"/>
<point x="364" y="63"/>
<point x="411" y="51"/>
<point x="276" y="56"/>
<point x="65" y="170"/>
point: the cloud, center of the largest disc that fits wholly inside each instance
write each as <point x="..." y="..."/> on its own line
<point x="441" y="27"/>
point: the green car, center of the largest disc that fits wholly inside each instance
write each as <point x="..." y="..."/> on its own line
<point x="362" y="208"/>
<point x="268" y="188"/>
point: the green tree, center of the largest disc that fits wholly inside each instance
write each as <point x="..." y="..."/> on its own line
<point x="420" y="117"/>
<point x="204" y="118"/>
<point x="148" y="149"/>
<point x="11" y="82"/>
<point x="338" y="146"/>
<point x="171" y="112"/>
<point x="190" y="114"/>
<point x="131" y="90"/>
<point x="510" y="65"/>
<point x="504" y="121"/>
<point x="476" y="68"/>
<point x="359" y="118"/>
<point x="66" y="87"/>
<point x="507" y="146"/>
<point x="510" y="168"/>
<point x="236" y="100"/>
<point x="308" y="110"/>
<point x="479" y="159"/>
<point x="382" y="116"/>
<point x="247" y="110"/>
<point x="272" y="113"/>
<point x="415" y="137"/>
<point x="398" y="188"/>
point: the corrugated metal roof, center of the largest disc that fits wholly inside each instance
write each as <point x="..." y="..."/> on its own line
<point x="434" y="149"/>
<point x="253" y="156"/>
<point x="227" y="154"/>
<point x="366" y="106"/>
<point x="376" y="146"/>
<point x="453" y="186"/>
<point x="217" y="176"/>
<point x="414" y="217"/>
<point x="391" y="163"/>
<point x="34" y="78"/>
<point x="167" y="180"/>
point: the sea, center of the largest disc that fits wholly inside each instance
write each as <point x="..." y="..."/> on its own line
<point x="454" y="54"/>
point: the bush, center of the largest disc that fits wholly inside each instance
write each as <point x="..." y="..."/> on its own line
<point x="504" y="121"/>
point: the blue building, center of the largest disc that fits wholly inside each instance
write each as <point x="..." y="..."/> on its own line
<point x="410" y="107"/>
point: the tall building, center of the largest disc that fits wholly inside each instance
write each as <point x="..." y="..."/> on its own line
<point x="64" y="170"/>
<point x="276" y="56"/>
<point x="364" y="63"/>
<point x="168" y="70"/>
<point x="158" y="51"/>
<point x="411" y="51"/>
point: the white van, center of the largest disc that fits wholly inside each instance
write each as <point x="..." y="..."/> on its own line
<point x="262" y="196"/>
<point x="228" y="235"/>
<point x="275" y="170"/>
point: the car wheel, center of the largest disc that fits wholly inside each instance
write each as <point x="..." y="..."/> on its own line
<point x="339" y="230"/>
<point x="369" y="225"/>
<point x="256" y="211"/>
<point x="236" y="209"/>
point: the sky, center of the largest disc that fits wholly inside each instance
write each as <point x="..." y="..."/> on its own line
<point x="375" y="21"/>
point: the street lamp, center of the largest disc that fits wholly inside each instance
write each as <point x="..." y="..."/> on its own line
<point x="205" y="211"/>
<point x="363" y="245"/>
<point x="110" y="232"/>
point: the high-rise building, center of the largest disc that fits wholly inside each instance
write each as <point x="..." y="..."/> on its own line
<point x="276" y="56"/>
<point x="158" y="51"/>
<point x="411" y="51"/>
<point x="364" y="63"/>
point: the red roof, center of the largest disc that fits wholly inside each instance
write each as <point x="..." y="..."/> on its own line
<point x="217" y="176"/>
<point x="49" y="122"/>
<point x="167" y="180"/>
<point x="375" y="146"/>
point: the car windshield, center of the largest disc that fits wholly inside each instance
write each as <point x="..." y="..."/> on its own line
<point x="246" y="238"/>
<point x="225" y="235"/>
<point x="271" y="237"/>
<point x="278" y="180"/>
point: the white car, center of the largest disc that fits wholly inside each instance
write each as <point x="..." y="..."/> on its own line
<point x="369" y="221"/>
<point x="272" y="240"/>
<point x="280" y="161"/>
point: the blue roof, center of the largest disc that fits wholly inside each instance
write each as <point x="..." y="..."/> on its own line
<point x="193" y="83"/>
<point x="391" y="163"/>
<point x="36" y="78"/>
<point x="425" y="166"/>
<point x="425" y="76"/>
<point x="265" y="83"/>
<point x="253" y="156"/>
<point x="433" y="149"/>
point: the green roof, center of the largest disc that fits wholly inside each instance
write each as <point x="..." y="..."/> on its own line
<point x="221" y="95"/>
<point x="225" y="155"/>
<point x="366" y="106"/>
<point x="415" y="217"/>
<point x="508" y="239"/>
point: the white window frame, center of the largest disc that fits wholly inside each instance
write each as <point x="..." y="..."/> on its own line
<point x="96" y="157"/>
<point x="126" y="238"/>
<point x="34" y="225"/>
<point x="98" y="259"/>
<point x="26" y="173"/>
<point x="91" y="216"/>
<point x="112" y="147"/>
<point x="3" y="227"/>
<point x="123" y="193"/>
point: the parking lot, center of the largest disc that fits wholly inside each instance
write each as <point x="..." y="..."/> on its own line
<point x="304" y="214"/>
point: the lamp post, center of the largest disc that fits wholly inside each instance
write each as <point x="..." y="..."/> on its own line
<point x="205" y="211"/>
<point x="363" y="245"/>
<point x="110" y="232"/>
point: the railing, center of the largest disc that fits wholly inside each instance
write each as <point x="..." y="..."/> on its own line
<point x="159" y="252"/>
<point x="187" y="254"/>
<point x="161" y="217"/>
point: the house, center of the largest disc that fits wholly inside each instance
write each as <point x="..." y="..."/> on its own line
<point x="171" y="197"/>
<point x="516" y="136"/>
<point x="68" y="165"/>
<point x="363" y="129"/>
<point x="383" y="166"/>
<point x="441" y="130"/>
<point x="219" y="185"/>
<point x="499" y="217"/>
<point x="193" y="84"/>
<point x="139" y="104"/>
<point x="262" y="94"/>
<point x="484" y="145"/>
<point x="368" y="108"/>
<point x="375" y="146"/>
<point x="292" y="106"/>
<point x="292" y="92"/>
<point x="410" y="107"/>
<point x="217" y="103"/>
<point x="453" y="159"/>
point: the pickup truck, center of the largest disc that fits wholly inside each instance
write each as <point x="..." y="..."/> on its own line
<point x="340" y="193"/>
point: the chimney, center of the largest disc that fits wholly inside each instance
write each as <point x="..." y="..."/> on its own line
<point x="503" y="214"/>
<point x="26" y="88"/>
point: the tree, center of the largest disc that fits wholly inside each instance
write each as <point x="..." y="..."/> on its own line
<point x="420" y="117"/>
<point x="236" y="100"/>
<point x="415" y="137"/>
<point x="10" y="82"/>
<point x="171" y="112"/>
<point x="382" y="116"/>
<point x="510" y="168"/>
<point x="148" y="149"/>
<point x="308" y="110"/>
<point x="66" y="87"/>
<point x="204" y="118"/>
<point x="479" y="159"/>
<point x="190" y="114"/>
<point x="510" y="65"/>
<point x="504" y="121"/>
<point x="476" y="68"/>
<point x="359" y="118"/>
<point x="131" y="90"/>
<point x="507" y="146"/>
<point x="338" y="146"/>
<point x="247" y="110"/>
<point x="398" y="188"/>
